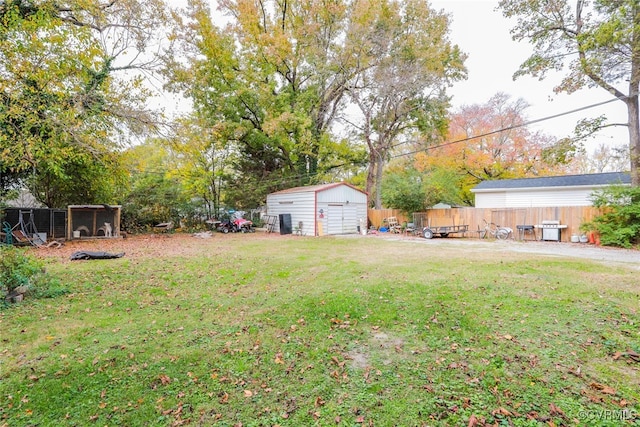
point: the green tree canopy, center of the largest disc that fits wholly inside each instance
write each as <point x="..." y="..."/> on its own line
<point x="64" y="111"/>
<point x="276" y="79"/>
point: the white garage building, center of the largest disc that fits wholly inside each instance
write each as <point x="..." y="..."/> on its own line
<point x="567" y="190"/>
<point x="317" y="210"/>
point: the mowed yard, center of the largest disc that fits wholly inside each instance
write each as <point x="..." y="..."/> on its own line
<point x="267" y="330"/>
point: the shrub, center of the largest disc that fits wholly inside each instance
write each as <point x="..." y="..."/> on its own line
<point x="18" y="269"/>
<point x="619" y="225"/>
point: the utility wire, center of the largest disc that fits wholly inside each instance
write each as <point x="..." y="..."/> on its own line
<point x="493" y="132"/>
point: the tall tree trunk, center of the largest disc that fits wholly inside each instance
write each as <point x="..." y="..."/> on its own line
<point x="371" y="175"/>
<point x="379" y="169"/>
<point x="632" y="101"/>
<point x="634" y="139"/>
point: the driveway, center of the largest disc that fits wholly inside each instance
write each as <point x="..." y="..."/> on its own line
<point x="627" y="257"/>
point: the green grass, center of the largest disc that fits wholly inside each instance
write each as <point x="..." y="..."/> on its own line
<point x="293" y="332"/>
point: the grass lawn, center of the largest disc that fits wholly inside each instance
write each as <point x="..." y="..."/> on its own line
<point x="258" y="330"/>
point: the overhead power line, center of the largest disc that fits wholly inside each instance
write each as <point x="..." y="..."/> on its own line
<point x="493" y="132"/>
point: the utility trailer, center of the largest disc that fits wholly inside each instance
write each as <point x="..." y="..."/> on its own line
<point x="430" y="230"/>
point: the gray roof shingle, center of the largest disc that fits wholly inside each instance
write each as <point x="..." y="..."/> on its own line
<point x="593" y="179"/>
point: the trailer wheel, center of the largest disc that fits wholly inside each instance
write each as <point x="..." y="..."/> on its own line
<point x="427" y="233"/>
<point x="444" y="234"/>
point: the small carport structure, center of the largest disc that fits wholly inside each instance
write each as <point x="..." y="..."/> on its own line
<point x="316" y="210"/>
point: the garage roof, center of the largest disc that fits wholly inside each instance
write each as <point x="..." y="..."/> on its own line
<point x="594" y="179"/>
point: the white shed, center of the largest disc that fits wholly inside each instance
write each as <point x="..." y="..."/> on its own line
<point x="316" y="210"/>
<point x="566" y="190"/>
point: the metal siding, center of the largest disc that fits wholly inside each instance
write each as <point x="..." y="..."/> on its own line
<point x="302" y="209"/>
<point x="346" y="218"/>
<point x="341" y="194"/>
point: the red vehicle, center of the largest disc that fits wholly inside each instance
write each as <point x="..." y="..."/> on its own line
<point x="243" y="225"/>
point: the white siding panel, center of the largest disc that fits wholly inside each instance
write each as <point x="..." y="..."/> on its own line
<point x="491" y="200"/>
<point x="341" y="194"/>
<point x="549" y="197"/>
<point x="342" y="206"/>
<point x="300" y="205"/>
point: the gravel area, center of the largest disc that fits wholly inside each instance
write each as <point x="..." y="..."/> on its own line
<point x="608" y="255"/>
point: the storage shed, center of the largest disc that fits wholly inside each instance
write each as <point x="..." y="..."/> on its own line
<point x="567" y="190"/>
<point x="317" y="210"/>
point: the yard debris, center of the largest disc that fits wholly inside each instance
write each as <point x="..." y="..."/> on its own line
<point x="203" y="235"/>
<point x="17" y="295"/>
<point x="630" y="354"/>
<point x="80" y="255"/>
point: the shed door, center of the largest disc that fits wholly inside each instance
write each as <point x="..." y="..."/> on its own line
<point x="341" y="219"/>
<point x="334" y="219"/>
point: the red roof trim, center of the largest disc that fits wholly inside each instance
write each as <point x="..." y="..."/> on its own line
<point x="317" y="188"/>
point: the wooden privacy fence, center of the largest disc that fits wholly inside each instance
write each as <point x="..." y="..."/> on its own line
<point x="571" y="216"/>
<point x="377" y="216"/>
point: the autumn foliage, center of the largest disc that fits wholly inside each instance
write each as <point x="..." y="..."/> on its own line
<point x="491" y="141"/>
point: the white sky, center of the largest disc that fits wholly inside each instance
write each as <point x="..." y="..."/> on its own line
<point x="493" y="57"/>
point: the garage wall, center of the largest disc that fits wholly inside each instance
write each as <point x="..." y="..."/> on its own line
<point x="535" y="197"/>
<point x="300" y="205"/>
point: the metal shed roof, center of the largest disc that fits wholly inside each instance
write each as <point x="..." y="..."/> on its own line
<point x="316" y="188"/>
<point x="595" y="179"/>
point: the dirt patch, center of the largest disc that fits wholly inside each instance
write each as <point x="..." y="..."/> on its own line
<point x="380" y="346"/>
<point x="161" y="245"/>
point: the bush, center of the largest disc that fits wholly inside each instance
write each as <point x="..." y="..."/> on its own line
<point x="619" y="225"/>
<point x="18" y="269"/>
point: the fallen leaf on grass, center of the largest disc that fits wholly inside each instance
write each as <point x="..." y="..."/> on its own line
<point x="475" y="421"/>
<point x="632" y="355"/>
<point x="556" y="411"/>
<point x="335" y="360"/>
<point x="602" y="388"/>
<point x="501" y="411"/>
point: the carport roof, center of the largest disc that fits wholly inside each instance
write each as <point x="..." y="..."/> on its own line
<point x="594" y="179"/>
